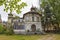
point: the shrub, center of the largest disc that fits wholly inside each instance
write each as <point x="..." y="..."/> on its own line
<point x="1" y="29"/>
<point x="9" y="30"/>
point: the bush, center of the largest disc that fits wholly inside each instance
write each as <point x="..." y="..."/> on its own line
<point x="4" y="30"/>
<point x="9" y="30"/>
<point x="1" y="29"/>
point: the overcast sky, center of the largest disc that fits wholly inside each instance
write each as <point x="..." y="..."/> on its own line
<point x="35" y="3"/>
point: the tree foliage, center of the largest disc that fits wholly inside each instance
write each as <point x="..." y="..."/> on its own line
<point x="12" y="5"/>
<point x="54" y="7"/>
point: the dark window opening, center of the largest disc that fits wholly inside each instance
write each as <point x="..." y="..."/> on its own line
<point x="19" y="27"/>
<point x="37" y="19"/>
<point x="33" y="17"/>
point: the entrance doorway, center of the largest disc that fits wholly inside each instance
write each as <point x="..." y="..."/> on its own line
<point x="33" y="28"/>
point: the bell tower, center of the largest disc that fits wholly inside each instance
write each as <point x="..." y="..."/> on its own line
<point x="33" y="8"/>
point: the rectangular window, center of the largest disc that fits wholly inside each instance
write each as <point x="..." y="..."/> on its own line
<point x="19" y="27"/>
<point x="37" y="19"/>
<point x="33" y="17"/>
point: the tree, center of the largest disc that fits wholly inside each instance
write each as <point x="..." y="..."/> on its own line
<point x="47" y="17"/>
<point x="54" y="7"/>
<point x="12" y="5"/>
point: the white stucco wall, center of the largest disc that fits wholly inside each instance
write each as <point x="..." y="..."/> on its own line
<point x="28" y="17"/>
<point x="29" y="24"/>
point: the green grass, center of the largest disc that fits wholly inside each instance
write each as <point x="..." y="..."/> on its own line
<point x="20" y="37"/>
<point x="26" y="37"/>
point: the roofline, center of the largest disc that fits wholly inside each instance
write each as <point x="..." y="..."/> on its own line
<point x="31" y="13"/>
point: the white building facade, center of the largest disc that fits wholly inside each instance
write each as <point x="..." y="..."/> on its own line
<point x="29" y="24"/>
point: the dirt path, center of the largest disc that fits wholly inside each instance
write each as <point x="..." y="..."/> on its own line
<point x="48" y="37"/>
